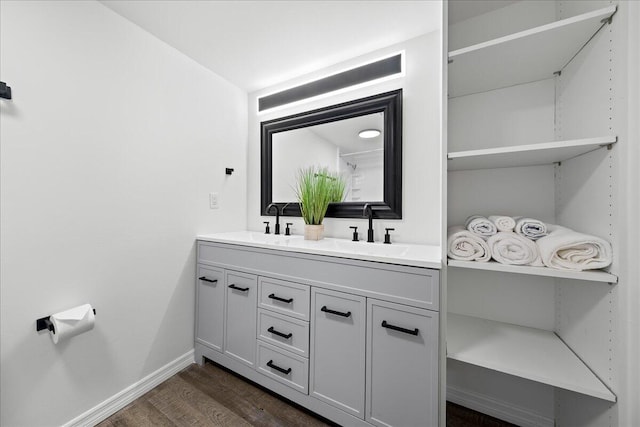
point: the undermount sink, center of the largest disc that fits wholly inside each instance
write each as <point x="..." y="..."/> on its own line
<point x="256" y="237"/>
<point x="395" y="253"/>
<point x="362" y="247"/>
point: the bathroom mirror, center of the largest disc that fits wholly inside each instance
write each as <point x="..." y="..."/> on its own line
<point x="328" y="137"/>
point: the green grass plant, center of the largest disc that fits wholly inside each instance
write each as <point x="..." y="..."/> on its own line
<point x="315" y="189"/>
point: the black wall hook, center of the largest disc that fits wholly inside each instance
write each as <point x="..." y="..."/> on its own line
<point x="228" y="171"/>
<point x="5" y="91"/>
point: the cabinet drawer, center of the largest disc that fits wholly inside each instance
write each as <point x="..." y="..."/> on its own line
<point x="284" y="332"/>
<point x="240" y="316"/>
<point x="402" y="365"/>
<point x="284" y="297"/>
<point x="338" y="350"/>
<point x="283" y="367"/>
<point x="210" y="308"/>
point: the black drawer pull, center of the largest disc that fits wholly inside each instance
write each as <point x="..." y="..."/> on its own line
<point x="278" y="368"/>
<point x="337" y="313"/>
<point x="288" y="301"/>
<point x="204" y="279"/>
<point x="400" y="329"/>
<point x="280" y="334"/>
<point x="238" y="289"/>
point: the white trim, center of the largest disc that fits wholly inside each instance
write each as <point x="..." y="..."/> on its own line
<point x="118" y="401"/>
<point x="498" y="408"/>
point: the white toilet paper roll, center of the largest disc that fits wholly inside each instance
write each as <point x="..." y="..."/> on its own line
<point x="72" y="322"/>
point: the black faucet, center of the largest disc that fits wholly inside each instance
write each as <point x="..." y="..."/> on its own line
<point x="368" y="207"/>
<point x="277" y="227"/>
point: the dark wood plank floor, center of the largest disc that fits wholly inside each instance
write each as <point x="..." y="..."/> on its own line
<point x="212" y="396"/>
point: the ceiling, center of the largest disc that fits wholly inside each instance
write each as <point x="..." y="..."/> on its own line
<point x="344" y="133"/>
<point x="256" y="44"/>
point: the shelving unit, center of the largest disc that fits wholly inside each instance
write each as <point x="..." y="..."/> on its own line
<point x="594" y="275"/>
<point x="528" y="353"/>
<point x="526" y="155"/>
<point x="523" y="57"/>
<point x="578" y="118"/>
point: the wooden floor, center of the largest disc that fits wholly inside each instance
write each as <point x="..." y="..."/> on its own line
<point x="212" y="396"/>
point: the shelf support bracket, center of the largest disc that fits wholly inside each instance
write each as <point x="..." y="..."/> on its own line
<point x="608" y="20"/>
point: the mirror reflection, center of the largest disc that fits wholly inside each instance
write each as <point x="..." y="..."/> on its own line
<point x="352" y="147"/>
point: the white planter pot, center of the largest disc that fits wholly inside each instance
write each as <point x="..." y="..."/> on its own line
<point x="313" y="232"/>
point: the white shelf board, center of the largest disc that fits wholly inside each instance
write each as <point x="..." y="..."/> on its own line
<point x="525" y="155"/>
<point x="530" y="353"/>
<point x="523" y="57"/>
<point x="593" y="275"/>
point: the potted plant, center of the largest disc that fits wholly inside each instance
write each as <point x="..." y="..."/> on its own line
<point x="315" y="189"/>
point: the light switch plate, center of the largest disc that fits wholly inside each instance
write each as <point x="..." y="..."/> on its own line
<point x="214" y="202"/>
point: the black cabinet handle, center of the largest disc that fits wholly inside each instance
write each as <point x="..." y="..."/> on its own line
<point x="278" y="368"/>
<point x="400" y="329"/>
<point x="204" y="279"/>
<point x="288" y="301"/>
<point x="238" y="289"/>
<point x="280" y="334"/>
<point x="337" y="313"/>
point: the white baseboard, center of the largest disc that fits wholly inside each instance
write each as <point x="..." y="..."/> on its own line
<point x="112" y="405"/>
<point x="498" y="408"/>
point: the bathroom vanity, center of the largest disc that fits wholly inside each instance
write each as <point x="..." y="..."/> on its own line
<point x="348" y="330"/>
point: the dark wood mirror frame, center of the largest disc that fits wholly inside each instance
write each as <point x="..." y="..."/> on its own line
<point x="389" y="103"/>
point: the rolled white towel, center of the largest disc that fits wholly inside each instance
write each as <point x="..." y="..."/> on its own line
<point x="502" y="222"/>
<point x="481" y="226"/>
<point x="466" y="246"/>
<point x="513" y="249"/>
<point x="530" y="228"/>
<point x="566" y="249"/>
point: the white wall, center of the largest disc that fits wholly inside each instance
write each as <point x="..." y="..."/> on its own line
<point x="108" y="150"/>
<point x="421" y="141"/>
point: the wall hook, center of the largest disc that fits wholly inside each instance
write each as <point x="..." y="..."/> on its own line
<point x="5" y="91"/>
<point x="228" y="171"/>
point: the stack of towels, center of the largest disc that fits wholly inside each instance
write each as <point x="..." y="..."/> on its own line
<point x="526" y="241"/>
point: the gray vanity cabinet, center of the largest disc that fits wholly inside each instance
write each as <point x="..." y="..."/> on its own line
<point x="337" y="349"/>
<point x="310" y="328"/>
<point x="210" y="307"/>
<point x="240" y="316"/>
<point x="402" y="361"/>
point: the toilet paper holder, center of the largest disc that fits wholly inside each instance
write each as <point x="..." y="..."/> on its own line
<point x="45" y="323"/>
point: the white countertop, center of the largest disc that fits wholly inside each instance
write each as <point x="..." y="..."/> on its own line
<point x="428" y="256"/>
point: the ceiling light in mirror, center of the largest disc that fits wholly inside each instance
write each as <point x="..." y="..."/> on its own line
<point x="369" y="133"/>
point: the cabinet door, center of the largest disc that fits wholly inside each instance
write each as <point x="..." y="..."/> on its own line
<point x="402" y="365"/>
<point x="337" y="350"/>
<point x="240" y="317"/>
<point x="210" y="307"/>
